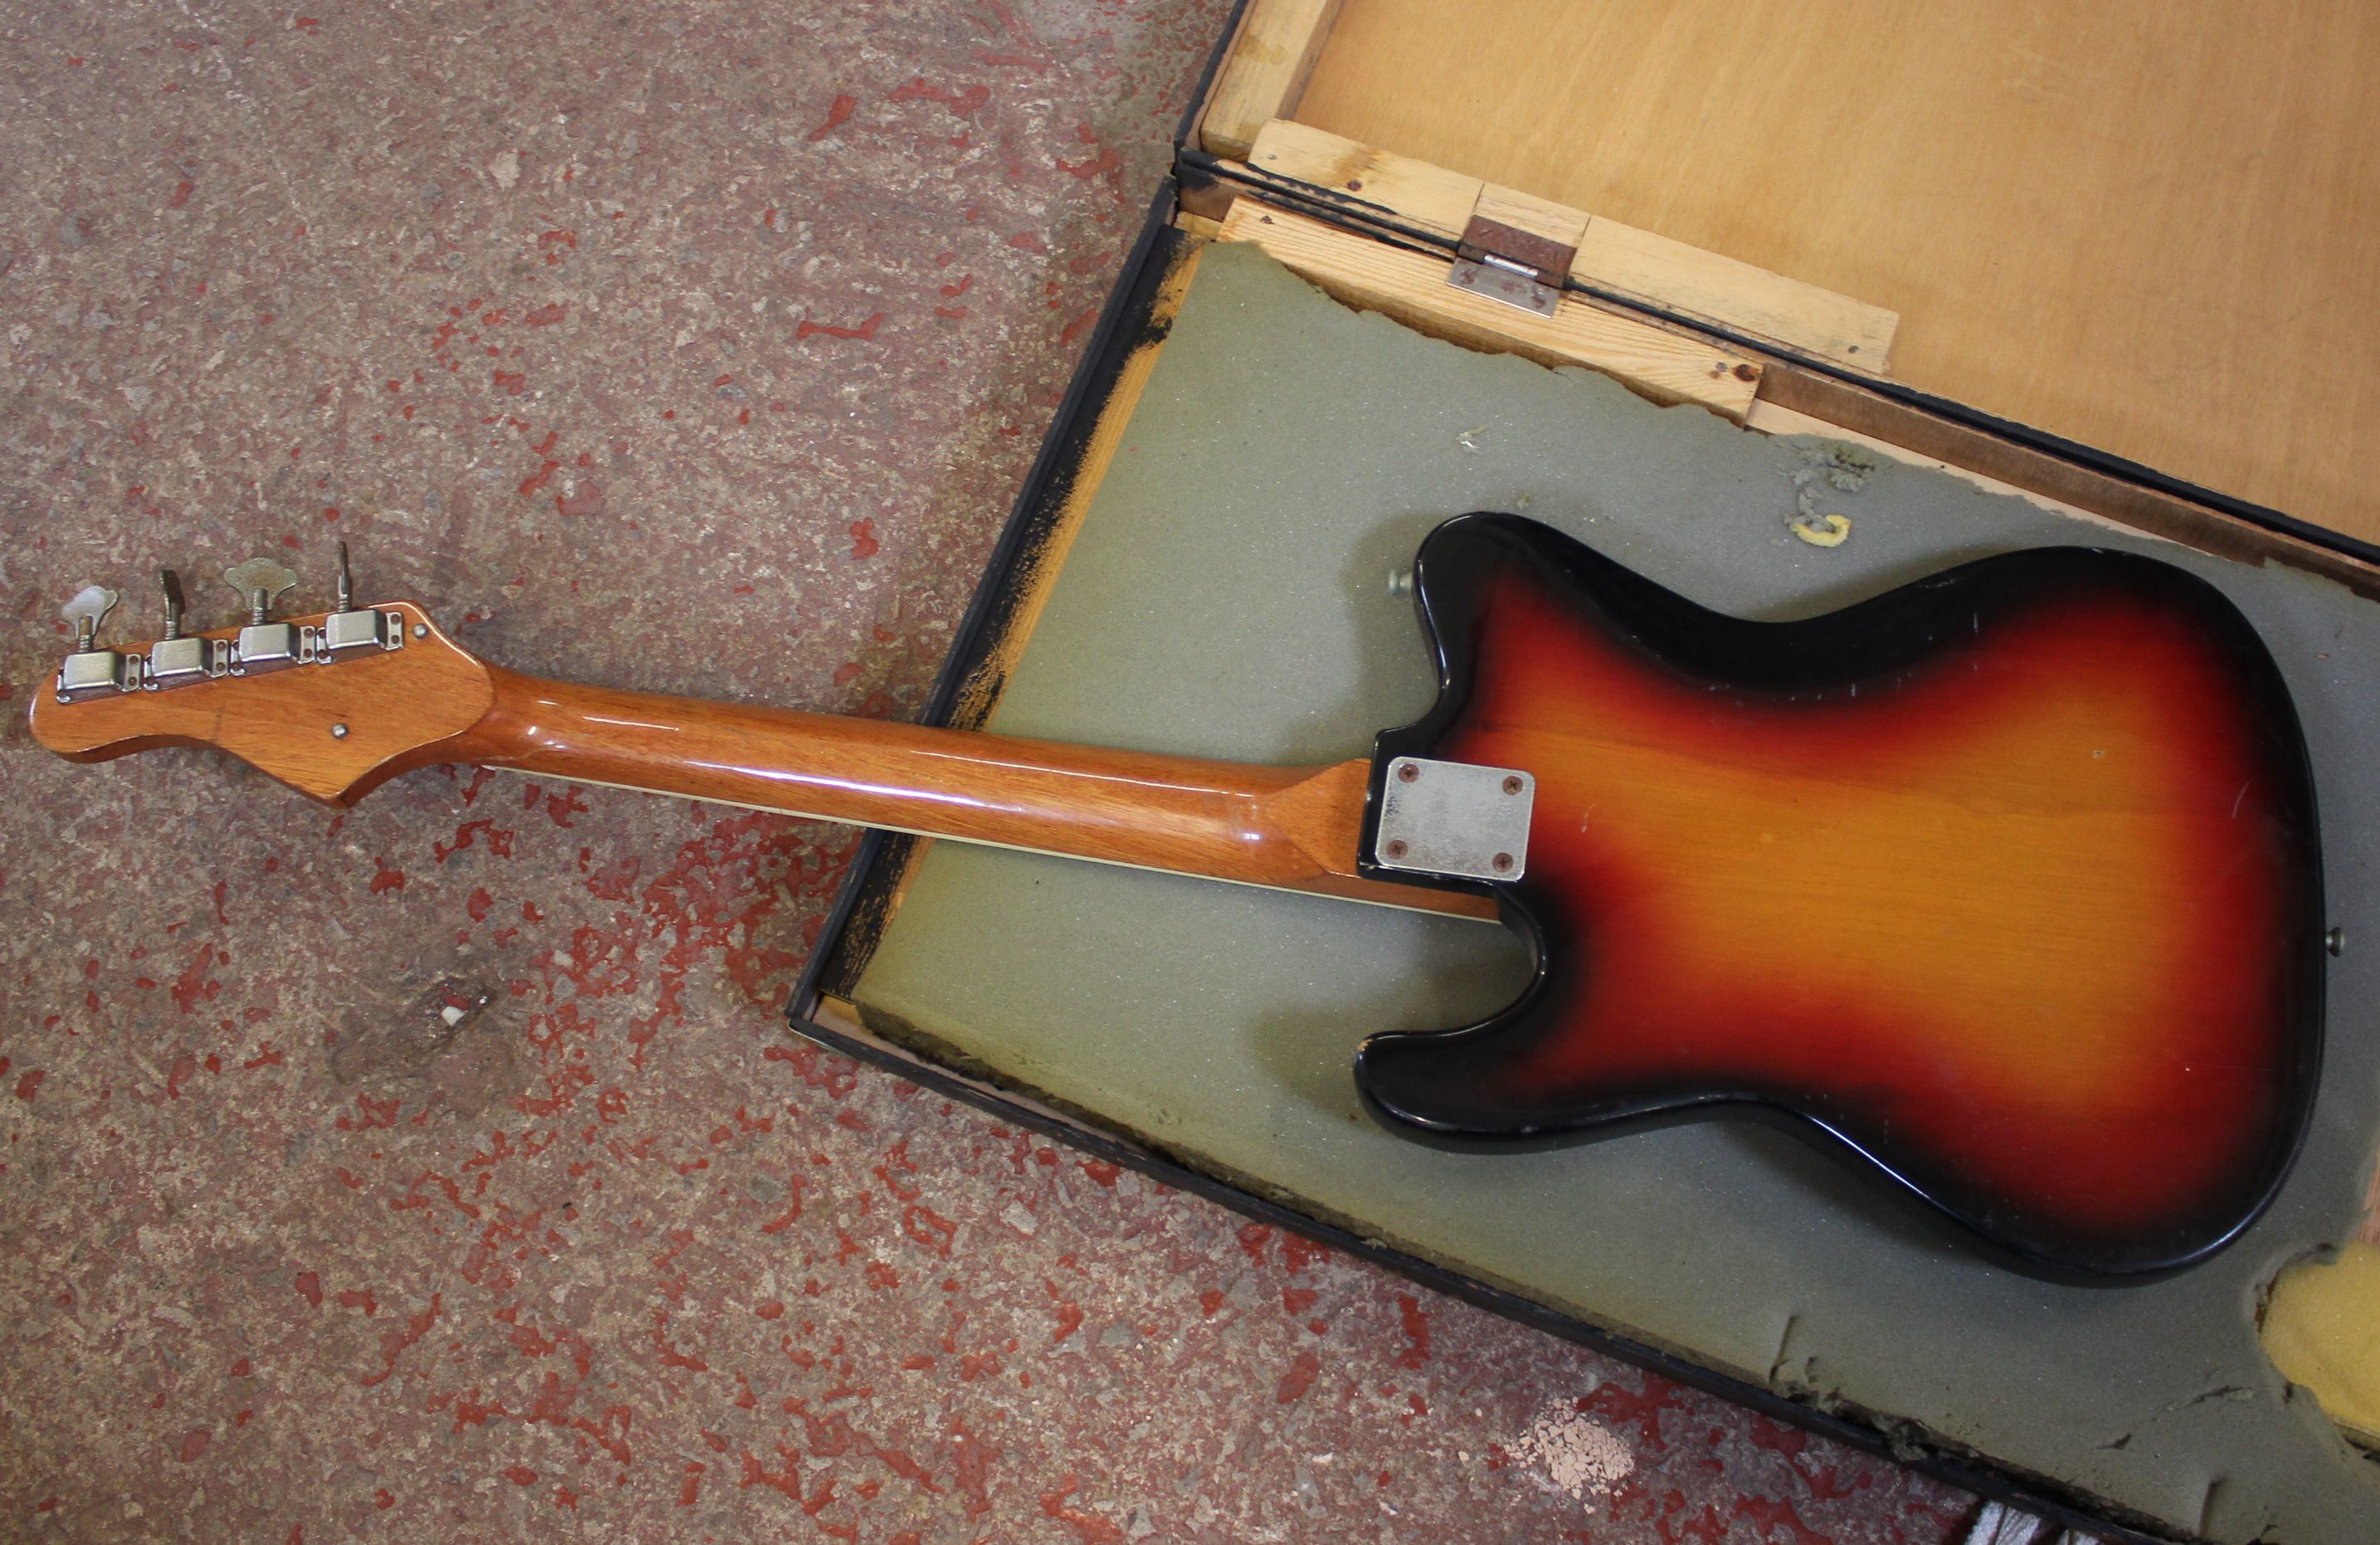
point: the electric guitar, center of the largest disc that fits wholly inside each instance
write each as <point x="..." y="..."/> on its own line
<point x="2005" y="882"/>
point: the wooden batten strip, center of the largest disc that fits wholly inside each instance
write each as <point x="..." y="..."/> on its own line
<point x="1830" y="403"/>
<point x="1411" y="286"/>
<point x="1411" y="193"/>
<point x="1612" y="256"/>
<point x="1690" y="282"/>
<point x="1270" y="61"/>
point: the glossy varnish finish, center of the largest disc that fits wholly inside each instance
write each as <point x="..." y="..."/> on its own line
<point x="336" y="731"/>
<point x="2006" y="878"/>
<point x="1290" y="828"/>
<point x="332" y="731"/>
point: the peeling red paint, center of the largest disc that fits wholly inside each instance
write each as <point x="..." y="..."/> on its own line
<point x="1090" y="1527"/>
<point x="1303" y="1370"/>
<point x="585" y="498"/>
<point x="1415" y="1324"/>
<point x="195" y="986"/>
<point x="865" y="330"/>
<point x="838" y="113"/>
<point x="962" y="102"/>
<point x="395" y="1342"/>
<point x="500" y="841"/>
<point x="929" y="1228"/>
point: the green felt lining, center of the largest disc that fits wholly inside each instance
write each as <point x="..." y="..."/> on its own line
<point x="1226" y="597"/>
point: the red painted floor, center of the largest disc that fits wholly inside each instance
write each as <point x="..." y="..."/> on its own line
<point x="700" y="349"/>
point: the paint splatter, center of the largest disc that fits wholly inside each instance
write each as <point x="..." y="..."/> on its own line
<point x="837" y="115"/>
<point x="866" y="331"/>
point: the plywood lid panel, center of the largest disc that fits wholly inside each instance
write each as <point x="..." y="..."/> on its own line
<point x="2148" y="227"/>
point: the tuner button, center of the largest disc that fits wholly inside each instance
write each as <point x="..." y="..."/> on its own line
<point x="84" y="612"/>
<point x="90" y="670"/>
<point x="259" y="582"/>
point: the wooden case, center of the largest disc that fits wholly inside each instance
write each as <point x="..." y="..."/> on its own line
<point x="2027" y="251"/>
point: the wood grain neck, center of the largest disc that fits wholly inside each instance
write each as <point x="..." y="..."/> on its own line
<point x="1286" y="828"/>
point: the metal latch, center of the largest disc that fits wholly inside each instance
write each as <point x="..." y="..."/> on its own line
<point x="1455" y="818"/>
<point x="1517" y="267"/>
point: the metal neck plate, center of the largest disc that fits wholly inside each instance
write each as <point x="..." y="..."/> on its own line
<point x="1456" y="820"/>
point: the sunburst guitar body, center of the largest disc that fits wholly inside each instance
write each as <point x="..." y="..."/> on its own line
<point x="2005" y="880"/>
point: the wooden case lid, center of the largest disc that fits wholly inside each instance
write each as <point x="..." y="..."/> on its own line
<point x="2145" y="227"/>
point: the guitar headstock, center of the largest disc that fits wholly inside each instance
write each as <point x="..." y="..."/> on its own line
<point x="330" y="703"/>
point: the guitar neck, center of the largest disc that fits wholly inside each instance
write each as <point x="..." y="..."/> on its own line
<point x="1288" y="828"/>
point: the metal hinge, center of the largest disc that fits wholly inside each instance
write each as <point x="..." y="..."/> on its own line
<point x="1517" y="267"/>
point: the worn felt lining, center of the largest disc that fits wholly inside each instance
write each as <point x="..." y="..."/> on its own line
<point x="1227" y="596"/>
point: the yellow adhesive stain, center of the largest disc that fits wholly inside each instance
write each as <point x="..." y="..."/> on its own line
<point x="1821" y="530"/>
<point x="2322" y="1330"/>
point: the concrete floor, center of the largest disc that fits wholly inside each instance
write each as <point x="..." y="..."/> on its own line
<point x="699" y="347"/>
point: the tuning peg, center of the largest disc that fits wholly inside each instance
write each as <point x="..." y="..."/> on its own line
<point x="259" y="582"/>
<point x="265" y="645"/>
<point x="171" y="583"/>
<point x="174" y="661"/>
<point x="89" y="668"/>
<point x="84" y="612"/>
<point x="356" y="627"/>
